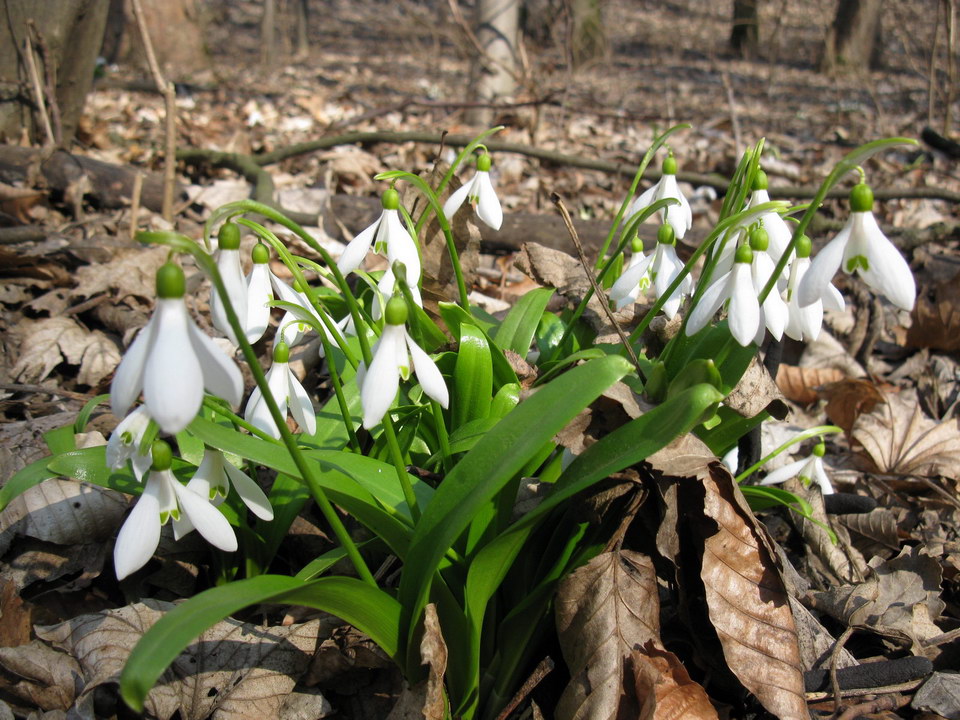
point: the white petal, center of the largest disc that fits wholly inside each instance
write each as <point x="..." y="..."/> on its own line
<point x="251" y="494"/>
<point x="357" y="249"/>
<point x="140" y="534"/>
<point x="785" y="473"/>
<point x="645" y="200"/>
<point x="428" y="375"/>
<point x="709" y="303"/>
<point x="888" y="274"/>
<point x="221" y="376"/>
<point x="382" y="378"/>
<point x="833" y="299"/>
<point x="228" y="263"/>
<point x="210" y="479"/>
<point x="128" y="379"/>
<point x="119" y="448"/>
<point x="775" y="313"/>
<point x="743" y="315"/>
<point x="258" y="413"/>
<point x="822" y="269"/>
<point x="300" y="406"/>
<point x="400" y="246"/>
<point x="678" y="217"/>
<point x="259" y="294"/>
<point x="778" y="233"/>
<point x="488" y="206"/>
<point x="456" y="199"/>
<point x="820" y="475"/>
<point x="172" y="377"/>
<point x="629" y="281"/>
<point x="208" y="521"/>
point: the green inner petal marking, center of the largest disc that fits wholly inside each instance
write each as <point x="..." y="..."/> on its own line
<point x="857" y="261"/>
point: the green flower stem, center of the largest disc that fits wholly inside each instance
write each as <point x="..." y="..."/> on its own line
<point x="657" y="144"/>
<point x="427" y="191"/>
<point x="442" y="436"/>
<point x="397" y="456"/>
<point x="205" y="261"/>
<point x="805" y="435"/>
<point x="215" y="405"/>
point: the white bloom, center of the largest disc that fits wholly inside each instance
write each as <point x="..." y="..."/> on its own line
<point x="808" y="470"/>
<point x="861" y="247"/>
<point x="388" y="236"/>
<point x="391" y="359"/>
<point x="124" y="443"/>
<point x="774" y="310"/>
<point x="634" y="280"/>
<point x="228" y="263"/>
<point x="289" y="394"/>
<point x="481" y="195"/>
<point x="743" y="313"/>
<point x="804" y="322"/>
<point x="214" y="477"/>
<point x="664" y="269"/>
<point x="679" y="217"/>
<point x="164" y="498"/>
<point x="259" y="294"/>
<point x="776" y="227"/>
<point x="302" y="316"/>
<point x="172" y="362"/>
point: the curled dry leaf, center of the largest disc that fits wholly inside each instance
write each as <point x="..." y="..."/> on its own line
<point x="47" y="678"/>
<point x="234" y="671"/>
<point x="848" y="399"/>
<point x="665" y="689"/>
<point x="936" y="318"/>
<point x="799" y="384"/>
<point x="755" y="393"/>
<point x="48" y="342"/>
<point x="433" y="650"/>
<point x="897" y="439"/>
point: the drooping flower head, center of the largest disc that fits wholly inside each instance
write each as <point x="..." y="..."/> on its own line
<point x="743" y="312"/>
<point x="214" y="478"/>
<point x="388" y="236"/>
<point x="773" y="311"/>
<point x="679" y="216"/>
<point x="124" y="443"/>
<point x="165" y="498"/>
<point x="804" y="323"/>
<point x="259" y="294"/>
<point x="480" y="194"/>
<point x="228" y="263"/>
<point x="289" y="394"/>
<point x="172" y="362"/>
<point x="861" y="247"/>
<point x="391" y="359"/>
<point x="809" y="470"/>
<point x="635" y="279"/>
<point x="778" y="233"/>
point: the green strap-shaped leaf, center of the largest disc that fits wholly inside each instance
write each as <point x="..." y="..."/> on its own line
<point x="518" y="327"/>
<point x="455" y="317"/>
<point x="24" y="479"/>
<point x="90" y="465"/>
<point x="484" y="471"/>
<point x="370" y="609"/>
<point x="472" y="377"/>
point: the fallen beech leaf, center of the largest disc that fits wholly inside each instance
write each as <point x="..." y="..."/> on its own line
<point x="848" y="399"/>
<point x="132" y="271"/>
<point x="604" y="610"/>
<point x="747" y="600"/>
<point x="940" y="694"/>
<point x="47" y="677"/>
<point x="899" y="440"/>
<point x="936" y="318"/>
<point x="665" y="688"/>
<point x="65" y="512"/>
<point x="755" y="393"/>
<point x="234" y="671"/>
<point x="48" y="342"/>
<point x="900" y="598"/>
<point x="800" y="384"/>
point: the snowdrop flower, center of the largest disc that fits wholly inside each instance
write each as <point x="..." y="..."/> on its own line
<point x="303" y="316"/>
<point x="214" y="477"/>
<point x="388" y="236"/>
<point x="124" y="443"/>
<point x="164" y="498"/>
<point x="804" y="323"/>
<point x="172" y="362"/>
<point x="481" y="195"/>
<point x="861" y="247"/>
<point x="289" y="394"/>
<point x="773" y="312"/>
<point x="259" y="294"/>
<point x="808" y="470"/>
<point x="778" y="232"/>
<point x="635" y="279"/>
<point x="743" y="313"/>
<point x="228" y="263"/>
<point x="391" y="359"/>
<point x="678" y="216"/>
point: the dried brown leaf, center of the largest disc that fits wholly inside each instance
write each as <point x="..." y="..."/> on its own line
<point x="940" y="694"/>
<point x="848" y="399"/>
<point x="747" y="601"/>
<point x="65" y="512"/>
<point x="873" y="533"/>
<point x="48" y="679"/>
<point x="800" y="384"/>
<point x="665" y="689"/>
<point x="604" y="610"/>
<point x="48" y="342"/>
<point x="755" y="392"/>
<point x="936" y="318"/>
<point x="433" y="650"/>
<point x="131" y="272"/>
<point x="899" y="440"/>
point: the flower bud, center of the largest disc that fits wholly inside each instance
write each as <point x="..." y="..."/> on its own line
<point x="484" y="162"/>
<point x="390" y="199"/>
<point x="396" y="311"/>
<point x="162" y="455"/>
<point x="759" y="239"/>
<point x="819" y="449"/>
<point x="670" y="165"/>
<point x="281" y="352"/>
<point x="170" y="281"/>
<point x="260" y="254"/>
<point x="666" y="234"/>
<point x="229" y="236"/>
<point x="861" y="198"/>
<point x="760" y="181"/>
<point x="636" y="244"/>
<point x="743" y="255"/>
<point x="804" y="246"/>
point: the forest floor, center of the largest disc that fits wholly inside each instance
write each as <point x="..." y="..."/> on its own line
<point x="73" y="298"/>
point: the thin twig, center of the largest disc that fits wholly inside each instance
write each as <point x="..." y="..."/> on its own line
<point x="588" y="270"/>
<point x="887" y="702"/>
<point x="50" y="86"/>
<point x="540" y="672"/>
<point x="732" y="105"/>
<point x="23" y="387"/>
<point x="834" y="661"/>
<point x="38" y="90"/>
<point x="135" y="203"/>
<point x="860" y="692"/>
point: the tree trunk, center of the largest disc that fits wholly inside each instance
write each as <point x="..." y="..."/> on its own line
<point x="493" y="71"/>
<point x="851" y="42"/>
<point x="268" y="34"/>
<point x="302" y="22"/>
<point x="588" y="40"/>
<point x="65" y="48"/>
<point x="745" y="33"/>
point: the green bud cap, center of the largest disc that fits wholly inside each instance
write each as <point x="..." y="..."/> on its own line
<point x="484" y="162"/>
<point x="390" y="199"/>
<point x="229" y="236"/>
<point x="170" y="281"/>
<point x="861" y="198"/>
<point x="396" y="312"/>
<point x="670" y="165"/>
<point x="260" y="254"/>
<point x="804" y="246"/>
<point x="636" y="245"/>
<point x="162" y="455"/>
<point x="666" y="234"/>
<point x="820" y="449"/>
<point x="759" y="239"/>
<point x="760" y="181"/>
<point x="743" y="255"/>
<point x="281" y="353"/>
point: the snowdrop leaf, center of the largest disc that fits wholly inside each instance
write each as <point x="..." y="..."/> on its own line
<point x="518" y="327"/>
<point x="473" y="377"/>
